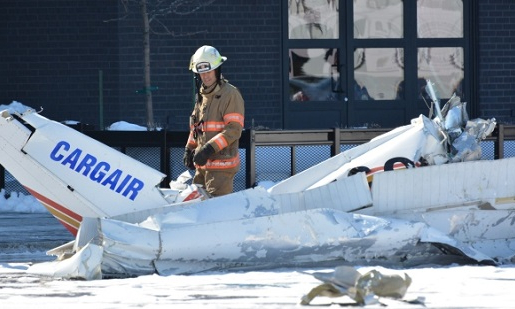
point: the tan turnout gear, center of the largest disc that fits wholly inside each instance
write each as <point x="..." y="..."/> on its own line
<point x="216" y="124"/>
<point x="217" y="120"/>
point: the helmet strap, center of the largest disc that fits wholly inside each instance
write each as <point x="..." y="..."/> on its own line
<point x="198" y="84"/>
<point x="218" y="73"/>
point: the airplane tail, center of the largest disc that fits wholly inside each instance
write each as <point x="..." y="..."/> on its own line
<point x="75" y="176"/>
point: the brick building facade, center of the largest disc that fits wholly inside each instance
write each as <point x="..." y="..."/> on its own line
<point x="60" y="55"/>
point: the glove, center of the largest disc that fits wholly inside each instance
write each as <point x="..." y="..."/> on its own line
<point x="203" y="154"/>
<point x="187" y="159"/>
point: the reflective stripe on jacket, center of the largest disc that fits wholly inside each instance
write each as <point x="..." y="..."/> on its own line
<point x="219" y="121"/>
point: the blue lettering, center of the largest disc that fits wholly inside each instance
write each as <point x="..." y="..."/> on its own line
<point x="99" y="171"/>
<point x="54" y="156"/>
<point x="124" y="183"/>
<point x="112" y="179"/>
<point x="72" y="158"/>
<point x="89" y="166"/>
<point x="134" y="187"/>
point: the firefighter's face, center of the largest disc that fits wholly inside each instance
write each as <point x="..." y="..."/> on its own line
<point x="208" y="78"/>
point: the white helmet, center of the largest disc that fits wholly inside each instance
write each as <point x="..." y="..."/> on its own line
<point x="206" y="59"/>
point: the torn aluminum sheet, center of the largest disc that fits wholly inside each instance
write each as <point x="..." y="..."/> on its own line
<point x="462" y="136"/>
<point x="465" y="147"/>
<point x="473" y="202"/>
<point x="251" y="229"/>
<point x="176" y="243"/>
<point x="364" y="289"/>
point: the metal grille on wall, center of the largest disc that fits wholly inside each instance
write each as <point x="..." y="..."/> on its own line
<point x="272" y="163"/>
<point x="176" y="165"/>
<point x="147" y="155"/>
<point x="239" y="179"/>
<point x="488" y="150"/>
<point x="509" y="149"/>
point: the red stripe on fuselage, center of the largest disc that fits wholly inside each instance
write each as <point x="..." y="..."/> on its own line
<point x="68" y="218"/>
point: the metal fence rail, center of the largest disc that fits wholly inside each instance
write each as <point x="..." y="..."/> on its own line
<point x="266" y="155"/>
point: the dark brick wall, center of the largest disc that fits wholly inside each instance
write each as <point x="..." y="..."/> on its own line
<point x="497" y="60"/>
<point x="52" y="50"/>
<point x="51" y="53"/>
<point x="248" y="33"/>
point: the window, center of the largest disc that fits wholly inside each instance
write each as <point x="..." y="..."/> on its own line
<point x="314" y="75"/>
<point x="378" y="19"/>
<point x="443" y="65"/>
<point x="378" y="73"/>
<point x="439" y="19"/>
<point x="313" y="19"/>
<point x="353" y="63"/>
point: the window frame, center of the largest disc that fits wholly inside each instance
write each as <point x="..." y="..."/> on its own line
<point x="353" y="113"/>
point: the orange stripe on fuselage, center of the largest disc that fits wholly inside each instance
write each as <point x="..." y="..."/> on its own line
<point x="396" y="166"/>
<point x="69" y="223"/>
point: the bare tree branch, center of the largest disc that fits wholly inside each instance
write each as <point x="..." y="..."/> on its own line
<point x="173" y="33"/>
<point x="179" y="7"/>
<point x="151" y="12"/>
<point x="117" y="19"/>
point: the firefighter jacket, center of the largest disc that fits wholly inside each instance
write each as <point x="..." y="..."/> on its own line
<point x="218" y="119"/>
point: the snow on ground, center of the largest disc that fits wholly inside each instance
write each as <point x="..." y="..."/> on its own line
<point x="447" y="287"/>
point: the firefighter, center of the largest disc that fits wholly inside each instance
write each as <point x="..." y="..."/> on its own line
<point x="216" y="124"/>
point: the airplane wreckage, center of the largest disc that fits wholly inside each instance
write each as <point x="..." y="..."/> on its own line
<point x="414" y="193"/>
